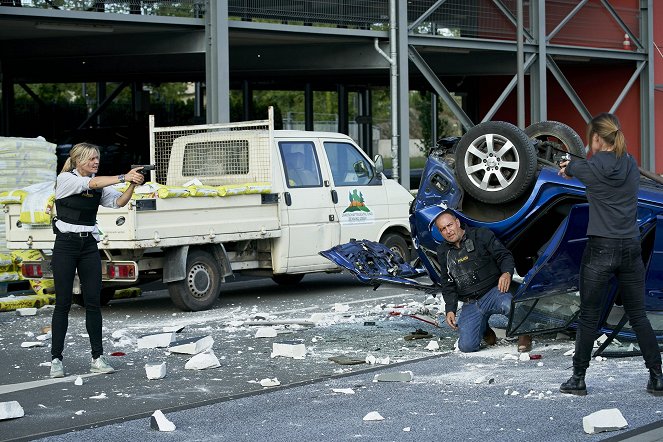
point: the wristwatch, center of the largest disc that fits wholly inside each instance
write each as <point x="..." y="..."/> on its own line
<point x="121" y="178"/>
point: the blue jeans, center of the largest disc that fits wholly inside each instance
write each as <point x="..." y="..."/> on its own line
<point x="602" y="259"/>
<point x="71" y="254"/>
<point x="473" y="318"/>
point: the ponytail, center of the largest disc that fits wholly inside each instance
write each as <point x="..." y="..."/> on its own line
<point x="607" y="127"/>
<point x="79" y="154"/>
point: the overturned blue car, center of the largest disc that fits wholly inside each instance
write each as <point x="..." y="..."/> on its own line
<point x="505" y="179"/>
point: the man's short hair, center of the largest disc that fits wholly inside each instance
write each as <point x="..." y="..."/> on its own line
<point x="446" y="212"/>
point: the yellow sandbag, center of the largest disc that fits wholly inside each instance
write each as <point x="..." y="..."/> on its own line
<point x="12" y="196"/>
<point x="37" y="207"/>
<point x="39" y="285"/>
<point x="131" y="292"/>
<point x="8" y="276"/>
<point x="10" y="303"/>
<point x="203" y="191"/>
<point x="243" y="189"/>
<point x="173" y="192"/>
<point x="6" y="263"/>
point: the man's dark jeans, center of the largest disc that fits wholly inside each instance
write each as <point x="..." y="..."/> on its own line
<point x="602" y="259"/>
<point x="71" y="253"/>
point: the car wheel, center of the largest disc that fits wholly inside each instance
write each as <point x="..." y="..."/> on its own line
<point x="554" y="138"/>
<point x="397" y="244"/>
<point x="201" y="286"/>
<point x="495" y="162"/>
<point x="287" y="279"/>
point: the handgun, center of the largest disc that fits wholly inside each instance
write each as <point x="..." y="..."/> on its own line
<point x="145" y="168"/>
<point x="561" y="157"/>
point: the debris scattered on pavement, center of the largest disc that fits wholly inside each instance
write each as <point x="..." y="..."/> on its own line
<point x="26" y="311"/>
<point x="78" y="381"/>
<point x="346" y="360"/>
<point x="370" y="359"/>
<point x="191" y="346"/>
<point x="270" y="382"/>
<point x="44" y="337"/>
<point x="203" y="361"/>
<point x="343" y="390"/>
<point x="31" y="344"/>
<point x="266" y="332"/>
<point x="79" y="412"/>
<point x="433" y="346"/>
<point x="156" y="340"/>
<point x="304" y="322"/>
<point x="160" y="422"/>
<point x="569" y="352"/>
<point x="155" y="370"/>
<point x="99" y="396"/>
<point x="610" y="419"/>
<point x="11" y="410"/>
<point x="341" y="308"/>
<point x="289" y="349"/>
<point x="373" y="416"/>
<point x="524" y="357"/>
<point x="399" y="376"/>
<point x="418" y="334"/>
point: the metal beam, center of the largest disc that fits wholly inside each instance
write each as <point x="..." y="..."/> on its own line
<point x="104" y="104"/>
<point x="217" y="63"/>
<point x="565" y="20"/>
<point x="403" y="94"/>
<point x="621" y="24"/>
<point x="647" y="87"/>
<point x="509" y="16"/>
<point x="507" y="90"/>
<point x="568" y="89"/>
<point x="441" y="90"/>
<point x="520" y="68"/>
<point x="426" y="14"/>
<point x="627" y="87"/>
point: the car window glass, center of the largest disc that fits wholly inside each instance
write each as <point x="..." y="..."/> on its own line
<point x="300" y="164"/>
<point x="348" y="166"/>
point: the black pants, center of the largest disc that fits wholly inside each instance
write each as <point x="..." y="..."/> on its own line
<point x="71" y="253"/>
<point x="603" y="258"/>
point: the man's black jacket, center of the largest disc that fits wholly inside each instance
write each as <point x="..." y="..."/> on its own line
<point x="473" y="269"/>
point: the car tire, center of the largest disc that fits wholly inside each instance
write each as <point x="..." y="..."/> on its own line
<point x="554" y="136"/>
<point x="397" y="244"/>
<point x="201" y="286"/>
<point x="495" y="162"/>
<point x="287" y="279"/>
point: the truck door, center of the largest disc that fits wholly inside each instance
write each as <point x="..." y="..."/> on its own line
<point x="361" y="203"/>
<point x="312" y="223"/>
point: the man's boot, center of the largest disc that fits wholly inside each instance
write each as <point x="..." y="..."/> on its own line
<point x="576" y="383"/>
<point x="655" y="384"/>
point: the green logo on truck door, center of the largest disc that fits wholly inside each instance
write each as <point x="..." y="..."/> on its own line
<point x="357" y="211"/>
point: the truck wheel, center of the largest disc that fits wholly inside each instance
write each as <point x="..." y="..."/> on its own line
<point x="287" y="279"/>
<point x="495" y="162"/>
<point x="397" y="244"/>
<point x="554" y="136"/>
<point x="201" y="286"/>
<point x="107" y="293"/>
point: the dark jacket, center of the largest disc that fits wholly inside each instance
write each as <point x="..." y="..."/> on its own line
<point x="612" y="191"/>
<point x="470" y="271"/>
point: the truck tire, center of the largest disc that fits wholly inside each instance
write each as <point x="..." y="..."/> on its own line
<point x="107" y="294"/>
<point x="554" y="136"/>
<point x="201" y="286"/>
<point x="397" y="244"/>
<point x="495" y="162"/>
<point x="287" y="279"/>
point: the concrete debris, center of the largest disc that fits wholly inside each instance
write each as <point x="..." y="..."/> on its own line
<point x="270" y="382"/>
<point x="433" y="346"/>
<point x="610" y="419"/>
<point x="123" y="338"/>
<point x="32" y="344"/>
<point x="370" y="359"/>
<point x="79" y="412"/>
<point x="289" y="349"/>
<point x="373" y="416"/>
<point x="11" y="410"/>
<point x="202" y="361"/>
<point x="343" y="390"/>
<point x="266" y="332"/>
<point x="99" y="396"/>
<point x="160" y="422"/>
<point x="304" y="322"/>
<point x="600" y="359"/>
<point x="157" y="340"/>
<point x="500" y="333"/>
<point x="510" y="357"/>
<point x="524" y="357"/>
<point x="346" y="360"/>
<point x="192" y="346"/>
<point x="173" y="328"/>
<point x="78" y="381"/>
<point x="402" y="376"/>
<point x="318" y="317"/>
<point x="26" y="311"/>
<point x="44" y="337"/>
<point x="341" y="308"/>
<point x="406" y="429"/>
<point x="155" y="370"/>
<point x="569" y="352"/>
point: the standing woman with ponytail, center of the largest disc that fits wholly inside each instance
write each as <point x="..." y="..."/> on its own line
<point x="612" y="179"/>
<point x="78" y="194"/>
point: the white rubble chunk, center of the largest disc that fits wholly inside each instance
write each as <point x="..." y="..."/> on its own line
<point x="44" y="337"/>
<point x="373" y="416"/>
<point x="569" y="352"/>
<point x="26" y="311"/>
<point x="156" y="340"/>
<point x="341" y="308"/>
<point x="402" y="376"/>
<point x="270" y="382"/>
<point x="202" y="361"/>
<point x="11" y="410"/>
<point x="192" y="346"/>
<point x="480" y="380"/>
<point x="524" y="357"/>
<point x="289" y="349"/>
<point x="509" y="357"/>
<point x="31" y="344"/>
<point x="406" y="429"/>
<point x="79" y="412"/>
<point x="343" y="390"/>
<point x="78" y="381"/>
<point x="370" y="359"/>
<point x="500" y="333"/>
<point x="610" y="419"/>
<point x="266" y="332"/>
<point x="433" y="346"/>
<point x="160" y="422"/>
<point x="155" y="370"/>
<point x="318" y="317"/>
<point x="600" y="359"/>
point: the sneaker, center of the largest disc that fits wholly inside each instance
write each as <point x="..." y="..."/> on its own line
<point x="57" y="370"/>
<point x="101" y="365"/>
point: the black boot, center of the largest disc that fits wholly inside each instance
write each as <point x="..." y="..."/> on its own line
<point x="575" y="384"/>
<point x="655" y="384"/>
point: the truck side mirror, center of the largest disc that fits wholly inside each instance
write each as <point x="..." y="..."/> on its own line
<point x="379" y="164"/>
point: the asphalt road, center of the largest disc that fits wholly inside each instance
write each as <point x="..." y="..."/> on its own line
<point x="451" y="394"/>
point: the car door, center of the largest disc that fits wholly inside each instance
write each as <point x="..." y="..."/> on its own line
<point x="360" y="200"/>
<point x="311" y="224"/>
